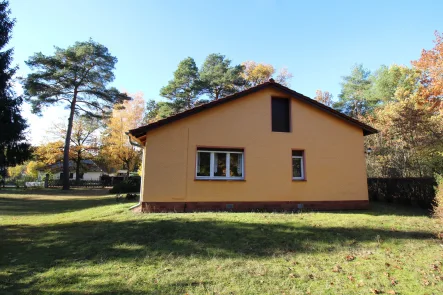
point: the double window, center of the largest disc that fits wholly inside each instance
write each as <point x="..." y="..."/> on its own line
<point x="220" y="163"/>
<point x="298" y="169"/>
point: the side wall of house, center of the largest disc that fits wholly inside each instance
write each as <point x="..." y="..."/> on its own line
<point x="334" y="155"/>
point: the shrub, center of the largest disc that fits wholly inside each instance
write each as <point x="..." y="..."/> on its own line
<point x="438" y="203"/>
<point x="131" y="185"/>
<point x="408" y="191"/>
<point x="131" y="197"/>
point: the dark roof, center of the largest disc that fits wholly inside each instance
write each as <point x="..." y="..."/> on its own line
<point x="141" y="131"/>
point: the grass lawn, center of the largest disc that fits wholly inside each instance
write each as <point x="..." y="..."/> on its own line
<point x="84" y="242"/>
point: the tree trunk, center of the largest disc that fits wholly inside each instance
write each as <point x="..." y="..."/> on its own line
<point x="127" y="170"/>
<point x="68" y="143"/>
<point x="77" y="167"/>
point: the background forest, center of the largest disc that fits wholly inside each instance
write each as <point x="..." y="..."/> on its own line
<point x="404" y="102"/>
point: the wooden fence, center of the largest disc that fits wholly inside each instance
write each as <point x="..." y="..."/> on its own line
<point x="409" y="191"/>
<point x="105" y="181"/>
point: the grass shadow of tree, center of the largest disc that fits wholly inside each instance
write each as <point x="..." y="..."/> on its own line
<point x="35" y="249"/>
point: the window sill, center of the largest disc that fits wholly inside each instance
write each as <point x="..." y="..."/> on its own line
<point x="296" y="180"/>
<point x="217" y="179"/>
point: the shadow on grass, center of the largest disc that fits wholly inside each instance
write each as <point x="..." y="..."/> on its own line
<point x="16" y="207"/>
<point x="28" y="250"/>
<point x="51" y="201"/>
<point x="388" y="209"/>
<point x="85" y="192"/>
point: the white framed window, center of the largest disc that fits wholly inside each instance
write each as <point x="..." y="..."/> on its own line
<point x="223" y="164"/>
<point x="298" y="169"/>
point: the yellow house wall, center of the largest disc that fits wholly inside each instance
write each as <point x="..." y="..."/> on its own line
<point x="334" y="155"/>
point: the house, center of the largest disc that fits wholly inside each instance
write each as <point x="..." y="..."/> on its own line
<point x="121" y="173"/>
<point x="90" y="170"/>
<point x="267" y="147"/>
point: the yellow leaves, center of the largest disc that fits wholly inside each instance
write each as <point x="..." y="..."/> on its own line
<point x="257" y="73"/>
<point x="116" y="143"/>
<point x="16" y="171"/>
<point x="31" y="168"/>
<point x="50" y="152"/>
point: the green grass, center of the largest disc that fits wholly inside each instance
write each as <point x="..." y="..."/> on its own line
<point x="83" y="242"/>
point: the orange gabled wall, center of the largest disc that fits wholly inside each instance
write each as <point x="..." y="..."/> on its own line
<point x="334" y="155"/>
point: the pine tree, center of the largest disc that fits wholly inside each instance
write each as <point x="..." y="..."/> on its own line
<point x="76" y="77"/>
<point x="13" y="149"/>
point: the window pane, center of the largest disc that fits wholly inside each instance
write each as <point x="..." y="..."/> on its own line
<point x="281" y="115"/>
<point x="296" y="167"/>
<point x="297" y="153"/>
<point x="219" y="164"/>
<point x="236" y="165"/>
<point x="203" y="164"/>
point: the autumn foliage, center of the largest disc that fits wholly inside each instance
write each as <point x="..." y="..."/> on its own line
<point x="404" y="104"/>
<point x="116" y="145"/>
<point x="431" y="65"/>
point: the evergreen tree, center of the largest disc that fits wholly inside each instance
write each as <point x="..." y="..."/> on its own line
<point x="185" y="88"/>
<point x="355" y="98"/>
<point x="76" y="77"/>
<point x="13" y="149"/>
<point x="219" y="78"/>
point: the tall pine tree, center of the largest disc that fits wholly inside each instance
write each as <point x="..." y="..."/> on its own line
<point x="186" y="87"/>
<point x="13" y="149"/>
<point x="355" y="98"/>
<point x="76" y="77"/>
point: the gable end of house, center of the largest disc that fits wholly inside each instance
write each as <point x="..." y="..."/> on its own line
<point x="139" y="134"/>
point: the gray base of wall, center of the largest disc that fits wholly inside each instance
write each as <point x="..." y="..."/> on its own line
<point x="152" y="207"/>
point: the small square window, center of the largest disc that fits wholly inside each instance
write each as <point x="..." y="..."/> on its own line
<point x="298" y="165"/>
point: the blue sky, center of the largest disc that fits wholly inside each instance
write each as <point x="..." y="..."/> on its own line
<point x="318" y="41"/>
